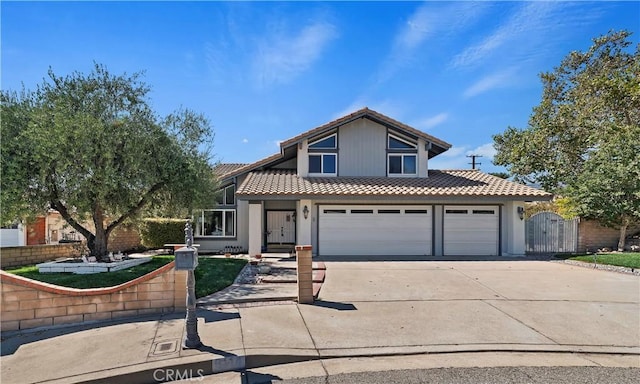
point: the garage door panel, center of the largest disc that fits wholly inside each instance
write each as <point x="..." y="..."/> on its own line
<point x="471" y="230"/>
<point x="374" y="230"/>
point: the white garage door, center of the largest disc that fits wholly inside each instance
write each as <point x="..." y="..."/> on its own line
<point x="471" y="230"/>
<point x="374" y="230"/>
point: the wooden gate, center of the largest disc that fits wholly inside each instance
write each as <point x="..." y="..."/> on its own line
<point x="548" y="232"/>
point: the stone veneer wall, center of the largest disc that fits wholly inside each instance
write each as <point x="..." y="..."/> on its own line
<point x="34" y="254"/>
<point x="29" y="303"/>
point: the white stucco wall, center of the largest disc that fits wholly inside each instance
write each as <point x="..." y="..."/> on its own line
<point x="12" y="237"/>
<point x="513" y="234"/>
<point x="303" y="230"/>
<point x="255" y="228"/>
<point x="303" y="159"/>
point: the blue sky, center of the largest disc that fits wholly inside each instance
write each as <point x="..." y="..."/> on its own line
<point x="263" y="72"/>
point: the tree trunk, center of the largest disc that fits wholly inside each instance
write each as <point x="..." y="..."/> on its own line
<point x="99" y="246"/>
<point x="623" y="235"/>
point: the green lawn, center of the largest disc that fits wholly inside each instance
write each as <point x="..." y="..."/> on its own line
<point x="212" y="275"/>
<point x="625" y="259"/>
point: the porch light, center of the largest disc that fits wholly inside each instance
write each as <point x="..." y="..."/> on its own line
<point x="521" y="213"/>
<point x="305" y="211"/>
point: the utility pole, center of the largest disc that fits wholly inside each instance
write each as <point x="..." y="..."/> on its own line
<point x="473" y="161"/>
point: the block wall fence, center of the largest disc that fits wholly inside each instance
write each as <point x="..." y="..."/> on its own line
<point x="28" y="303"/>
<point x="593" y="236"/>
<point x="122" y="239"/>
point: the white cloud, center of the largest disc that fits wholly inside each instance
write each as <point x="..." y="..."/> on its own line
<point x="281" y="58"/>
<point x="431" y="19"/>
<point x="486" y="151"/>
<point x="500" y="79"/>
<point x="245" y="141"/>
<point x="416" y="29"/>
<point x="432" y="121"/>
<point x="456" y="158"/>
<point x="527" y="34"/>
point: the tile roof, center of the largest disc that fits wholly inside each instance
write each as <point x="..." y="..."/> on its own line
<point x="456" y="183"/>
<point x="223" y="169"/>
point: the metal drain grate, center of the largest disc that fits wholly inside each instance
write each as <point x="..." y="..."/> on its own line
<point x="163" y="347"/>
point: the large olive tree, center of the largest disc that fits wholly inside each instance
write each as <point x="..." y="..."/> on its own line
<point x="91" y="147"/>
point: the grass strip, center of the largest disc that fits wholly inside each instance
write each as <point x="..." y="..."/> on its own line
<point x="624" y="259"/>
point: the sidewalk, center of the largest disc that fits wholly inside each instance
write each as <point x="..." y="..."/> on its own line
<point x="516" y="309"/>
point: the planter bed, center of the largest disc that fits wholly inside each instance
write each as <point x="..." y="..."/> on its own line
<point x="71" y="266"/>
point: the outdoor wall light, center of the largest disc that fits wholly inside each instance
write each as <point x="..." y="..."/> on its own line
<point x="521" y="213"/>
<point x="305" y="211"/>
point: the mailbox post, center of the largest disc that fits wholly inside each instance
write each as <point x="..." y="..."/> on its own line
<point x="187" y="260"/>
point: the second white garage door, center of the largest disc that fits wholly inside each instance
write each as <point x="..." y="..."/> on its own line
<point x="471" y="230"/>
<point x="374" y="230"/>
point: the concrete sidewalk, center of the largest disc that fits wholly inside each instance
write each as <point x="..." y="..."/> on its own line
<point x="515" y="309"/>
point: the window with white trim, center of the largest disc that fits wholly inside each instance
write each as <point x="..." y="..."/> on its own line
<point x="402" y="164"/>
<point x="216" y="223"/>
<point x="323" y="164"/>
<point x="402" y="156"/>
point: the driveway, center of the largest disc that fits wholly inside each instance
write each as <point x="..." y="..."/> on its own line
<point x="389" y="306"/>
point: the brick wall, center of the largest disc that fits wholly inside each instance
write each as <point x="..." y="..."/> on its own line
<point x="34" y="254"/>
<point x="593" y="236"/>
<point x="28" y="303"/>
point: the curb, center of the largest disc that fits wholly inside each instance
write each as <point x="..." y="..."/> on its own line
<point x="159" y="371"/>
<point x="155" y="371"/>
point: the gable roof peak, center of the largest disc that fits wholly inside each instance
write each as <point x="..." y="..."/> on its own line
<point x="373" y="116"/>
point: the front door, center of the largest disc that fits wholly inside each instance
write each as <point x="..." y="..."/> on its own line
<point x="281" y="227"/>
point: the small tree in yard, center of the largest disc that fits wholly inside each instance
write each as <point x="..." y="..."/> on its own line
<point x="583" y="140"/>
<point x="91" y="147"/>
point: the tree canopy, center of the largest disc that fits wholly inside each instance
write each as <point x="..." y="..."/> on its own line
<point x="583" y="139"/>
<point x="91" y="147"/>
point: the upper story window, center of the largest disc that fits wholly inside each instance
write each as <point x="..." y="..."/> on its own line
<point x="323" y="164"/>
<point x="402" y="158"/>
<point x="328" y="142"/>
<point x="396" y="142"/>
<point x="402" y="165"/>
<point x="227" y="195"/>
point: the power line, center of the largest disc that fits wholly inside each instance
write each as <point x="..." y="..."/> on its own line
<point x="473" y="161"/>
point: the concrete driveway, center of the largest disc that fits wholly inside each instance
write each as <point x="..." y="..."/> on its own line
<point x="403" y="314"/>
<point x="483" y="305"/>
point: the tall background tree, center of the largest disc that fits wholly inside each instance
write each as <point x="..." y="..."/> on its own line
<point x="91" y="147"/>
<point x="583" y="140"/>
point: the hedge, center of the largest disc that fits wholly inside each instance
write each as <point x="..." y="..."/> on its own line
<point x="156" y="232"/>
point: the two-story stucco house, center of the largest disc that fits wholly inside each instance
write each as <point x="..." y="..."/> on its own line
<point x="361" y="185"/>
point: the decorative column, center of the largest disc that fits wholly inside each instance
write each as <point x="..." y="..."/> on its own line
<point x="255" y="228"/>
<point x="305" y="274"/>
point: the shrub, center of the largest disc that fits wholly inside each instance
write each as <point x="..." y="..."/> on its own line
<point x="156" y="232"/>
